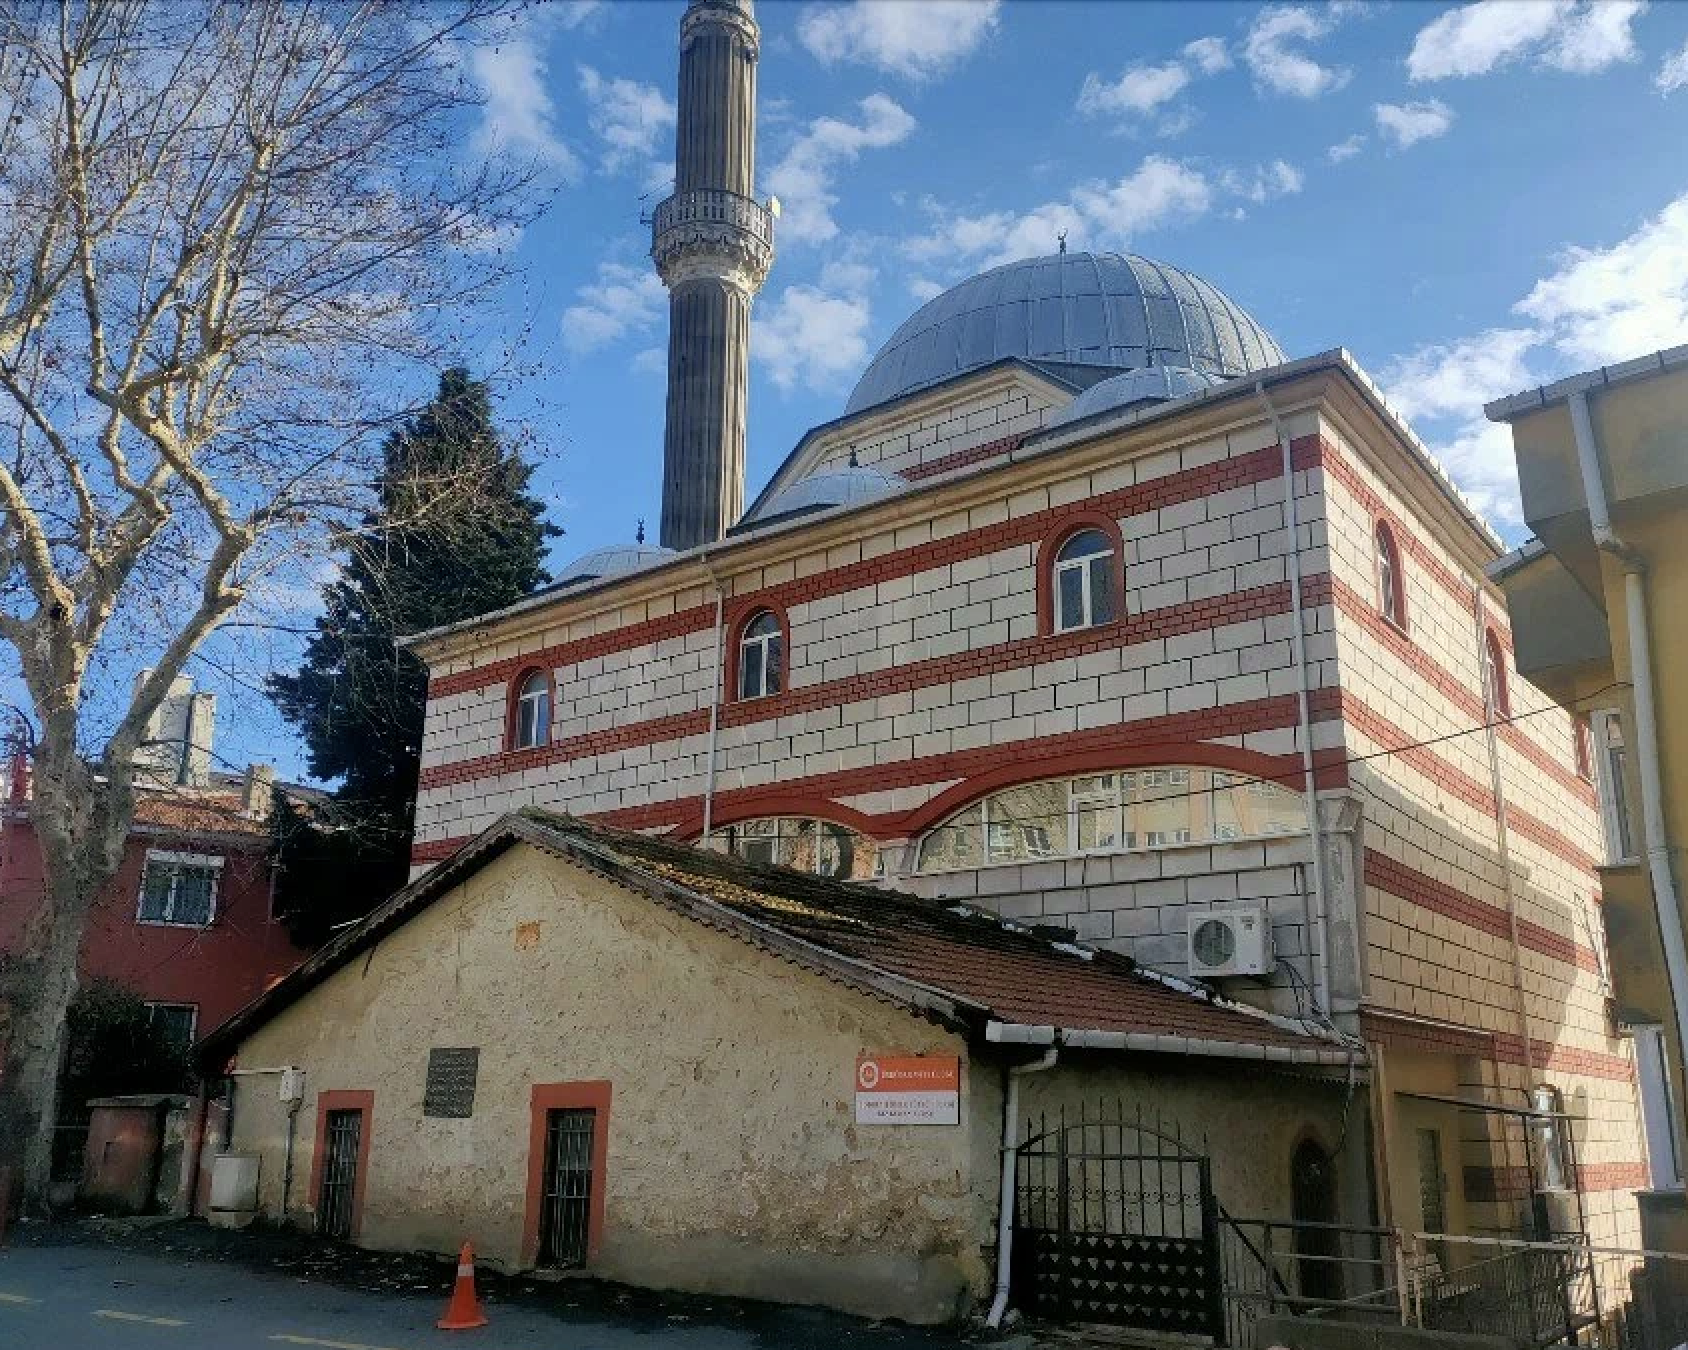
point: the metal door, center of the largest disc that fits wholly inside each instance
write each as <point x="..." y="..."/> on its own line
<point x="566" y="1214"/>
<point x="342" y="1142"/>
<point x="1116" y="1223"/>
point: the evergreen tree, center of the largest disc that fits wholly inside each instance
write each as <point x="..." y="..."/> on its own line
<point x="455" y="533"/>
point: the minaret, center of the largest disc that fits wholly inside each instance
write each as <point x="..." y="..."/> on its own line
<point x="712" y="243"/>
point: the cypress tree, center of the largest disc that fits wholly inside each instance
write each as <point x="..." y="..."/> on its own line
<point x="455" y="532"/>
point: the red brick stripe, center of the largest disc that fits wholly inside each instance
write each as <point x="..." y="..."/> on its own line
<point x="960" y="459"/>
<point x="1408" y="1033"/>
<point x="1421" y="889"/>
<point x="1491" y="1185"/>
<point x="1564" y="1058"/>
<point x="1215" y="612"/>
<point x="1169" y="490"/>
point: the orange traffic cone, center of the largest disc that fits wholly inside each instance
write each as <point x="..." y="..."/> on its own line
<point x="463" y="1313"/>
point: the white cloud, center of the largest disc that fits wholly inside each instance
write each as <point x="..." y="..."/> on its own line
<point x="1597" y="306"/>
<point x="1209" y="55"/>
<point x="1139" y="89"/>
<point x="1606" y="305"/>
<point x="924" y="288"/>
<point x="803" y="177"/>
<point x="816" y="336"/>
<point x="649" y="361"/>
<point x="629" y="117"/>
<point x="1279" y="178"/>
<point x="1347" y="149"/>
<point x="1409" y="123"/>
<point x="1275" y="54"/>
<point x="916" y="40"/>
<point x="577" y="13"/>
<point x="624" y="298"/>
<point x="517" y="113"/>
<point x="1096" y="214"/>
<point x="1581" y="36"/>
<point x="1673" y="75"/>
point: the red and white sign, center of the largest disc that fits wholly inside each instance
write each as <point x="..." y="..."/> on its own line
<point x="908" y="1090"/>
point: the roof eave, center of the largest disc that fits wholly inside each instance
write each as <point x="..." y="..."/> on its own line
<point x="1624" y="372"/>
<point x="1086" y="1038"/>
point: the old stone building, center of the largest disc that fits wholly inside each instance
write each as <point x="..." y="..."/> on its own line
<point x="1093" y="611"/>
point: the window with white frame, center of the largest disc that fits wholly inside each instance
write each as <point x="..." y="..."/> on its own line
<point x="1111" y="812"/>
<point x="1658" y="1108"/>
<point x="174" y="1023"/>
<point x="179" y="889"/>
<point x="1083" y="582"/>
<point x="818" y="846"/>
<point x="1391" y="598"/>
<point x="533" y="711"/>
<point x="1610" y="762"/>
<point x="761" y="656"/>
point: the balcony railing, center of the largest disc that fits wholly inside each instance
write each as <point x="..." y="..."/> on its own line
<point x="713" y="206"/>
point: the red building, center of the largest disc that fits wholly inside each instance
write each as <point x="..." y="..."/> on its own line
<point x="188" y="922"/>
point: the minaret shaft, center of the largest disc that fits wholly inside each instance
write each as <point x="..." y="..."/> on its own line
<point x="712" y="243"/>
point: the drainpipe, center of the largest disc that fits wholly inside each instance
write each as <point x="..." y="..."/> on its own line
<point x="1010" y="1156"/>
<point x="714" y="704"/>
<point x="1665" y="903"/>
<point x="1312" y="908"/>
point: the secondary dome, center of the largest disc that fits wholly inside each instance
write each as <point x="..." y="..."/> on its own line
<point x="613" y="561"/>
<point x="837" y="487"/>
<point x="1096" y="309"/>
<point x="1152" y="384"/>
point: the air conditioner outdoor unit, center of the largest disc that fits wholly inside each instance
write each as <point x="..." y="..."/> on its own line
<point x="1231" y="942"/>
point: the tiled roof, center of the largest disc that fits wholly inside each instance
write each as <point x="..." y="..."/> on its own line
<point x="951" y="962"/>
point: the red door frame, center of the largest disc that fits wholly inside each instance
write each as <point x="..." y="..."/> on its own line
<point x="547" y="1097"/>
<point x="341" y="1100"/>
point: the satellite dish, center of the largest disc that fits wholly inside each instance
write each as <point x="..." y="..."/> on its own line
<point x="774" y="207"/>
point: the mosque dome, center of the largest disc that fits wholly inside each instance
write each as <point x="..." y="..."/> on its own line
<point x="1095" y="309"/>
<point x="1151" y="384"/>
<point x="835" y="487"/>
<point x="613" y="561"/>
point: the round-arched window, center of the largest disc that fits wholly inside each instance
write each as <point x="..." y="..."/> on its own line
<point x="804" y="843"/>
<point x="1494" y="676"/>
<point x="761" y="656"/>
<point x="532" y="724"/>
<point x="1082" y="582"/>
<point x="1391" y="592"/>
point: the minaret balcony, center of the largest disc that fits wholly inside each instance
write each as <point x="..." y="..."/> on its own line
<point x="699" y="233"/>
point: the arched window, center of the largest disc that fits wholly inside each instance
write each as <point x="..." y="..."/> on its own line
<point x="809" y="845"/>
<point x="1494" y="676"/>
<point x="1391" y="585"/>
<point x="761" y="657"/>
<point x="1584" y="740"/>
<point x="531" y="725"/>
<point x="1112" y="812"/>
<point x="1082" y="582"/>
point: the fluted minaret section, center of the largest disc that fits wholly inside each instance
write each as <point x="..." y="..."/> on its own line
<point x="712" y="243"/>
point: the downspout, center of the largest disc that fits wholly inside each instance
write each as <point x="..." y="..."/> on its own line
<point x="714" y="704"/>
<point x="1503" y="831"/>
<point x="1010" y="1157"/>
<point x="1313" y="907"/>
<point x="1666" y="906"/>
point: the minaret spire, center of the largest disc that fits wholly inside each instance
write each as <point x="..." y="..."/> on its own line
<point x="712" y="243"/>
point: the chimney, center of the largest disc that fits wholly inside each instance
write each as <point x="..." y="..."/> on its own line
<point x="712" y="243"/>
<point x="258" y="795"/>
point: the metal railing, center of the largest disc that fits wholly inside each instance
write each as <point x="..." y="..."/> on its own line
<point x="1332" y="1271"/>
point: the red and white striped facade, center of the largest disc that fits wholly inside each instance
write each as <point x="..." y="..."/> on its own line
<point x="924" y="672"/>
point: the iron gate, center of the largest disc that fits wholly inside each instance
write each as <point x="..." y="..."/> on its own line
<point x="1115" y="1222"/>
<point x="566" y="1216"/>
<point x="343" y="1137"/>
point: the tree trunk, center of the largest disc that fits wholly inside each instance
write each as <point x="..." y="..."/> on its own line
<point x="80" y="824"/>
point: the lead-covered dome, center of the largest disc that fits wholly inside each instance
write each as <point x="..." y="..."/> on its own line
<point x="836" y="487"/>
<point x="614" y="561"/>
<point x="1096" y="309"/>
<point x="1133" y="388"/>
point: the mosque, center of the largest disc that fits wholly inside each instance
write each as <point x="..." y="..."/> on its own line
<point x="1095" y="623"/>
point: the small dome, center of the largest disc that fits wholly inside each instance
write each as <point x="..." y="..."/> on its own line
<point x="834" y="487"/>
<point x="1153" y="384"/>
<point x="1095" y="309"/>
<point x="613" y="561"/>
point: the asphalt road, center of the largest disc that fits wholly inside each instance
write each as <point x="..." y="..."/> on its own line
<point x="75" y="1296"/>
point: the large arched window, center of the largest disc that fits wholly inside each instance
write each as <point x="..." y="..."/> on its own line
<point x="1494" y="675"/>
<point x="761" y="655"/>
<point x="1112" y="812"/>
<point x="531" y="723"/>
<point x="809" y="845"/>
<point x="1391" y="585"/>
<point x="1082" y="582"/>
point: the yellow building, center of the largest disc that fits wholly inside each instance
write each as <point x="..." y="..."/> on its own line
<point x="1599" y="603"/>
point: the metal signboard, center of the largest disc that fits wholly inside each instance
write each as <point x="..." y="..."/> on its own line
<point x="908" y="1090"/>
<point x="450" y="1090"/>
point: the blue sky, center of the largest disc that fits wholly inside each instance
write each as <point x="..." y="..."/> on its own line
<point x="1470" y="198"/>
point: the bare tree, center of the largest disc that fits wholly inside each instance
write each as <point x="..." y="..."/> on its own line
<point x="220" y="226"/>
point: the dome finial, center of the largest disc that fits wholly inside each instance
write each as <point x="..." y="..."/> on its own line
<point x="1061" y="239"/>
<point x="853" y="463"/>
<point x="639" y="534"/>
